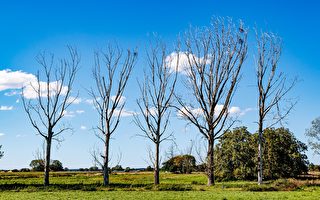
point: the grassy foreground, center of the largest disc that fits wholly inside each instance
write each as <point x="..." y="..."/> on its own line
<point x="74" y="185"/>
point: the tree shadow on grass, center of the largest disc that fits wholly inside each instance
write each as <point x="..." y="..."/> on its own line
<point x="93" y="187"/>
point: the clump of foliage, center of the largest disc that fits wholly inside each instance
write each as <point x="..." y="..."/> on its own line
<point x="313" y="167"/>
<point x="183" y="164"/>
<point x="117" y="168"/>
<point x="38" y="165"/>
<point x="94" y="168"/>
<point x="283" y="155"/>
<point x="149" y="169"/>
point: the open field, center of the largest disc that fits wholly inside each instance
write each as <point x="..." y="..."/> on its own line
<point x="75" y="185"/>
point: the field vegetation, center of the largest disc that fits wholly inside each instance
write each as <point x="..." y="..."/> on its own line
<point x="89" y="185"/>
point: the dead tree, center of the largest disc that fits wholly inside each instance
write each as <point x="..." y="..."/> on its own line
<point x="156" y="99"/>
<point x="46" y="102"/>
<point x="111" y="72"/>
<point x="272" y="88"/>
<point x="215" y="57"/>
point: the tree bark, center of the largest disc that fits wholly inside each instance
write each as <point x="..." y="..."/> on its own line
<point x="260" y="162"/>
<point x="106" y="162"/>
<point x="47" y="162"/>
<point x="156" y="167"/>
<point x="210" y="162"/>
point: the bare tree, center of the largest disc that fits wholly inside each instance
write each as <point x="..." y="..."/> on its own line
<point x="272" y="88"/>
<point x="46" y="102"/>
<point x="156" y="99"/>
<point x="215" y="57"/>
<point x="111" y="73"/>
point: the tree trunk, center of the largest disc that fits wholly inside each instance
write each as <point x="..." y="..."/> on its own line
<point x="260" y="162"/>
<point x="210" y="162"/>
<point x="106" y="162"/>
<point x="47" y="162"/>
<point x="156" y="167"/>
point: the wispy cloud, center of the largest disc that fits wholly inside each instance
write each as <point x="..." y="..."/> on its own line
<point x="69" y="113"/>
<point x="197" y="112"/>
<point x="21" y="135"/>
<point x="2" y="134"/>
<point x="82" y="127"/>
<point x="72" y="113"/>
<point x="4" y="108"/>
<point x="122" y="99"/>
<point x="124" y="113"/>
<point x="79" y="111"/>
<point x="12" y="93"/>
<point x="74" y="100"/>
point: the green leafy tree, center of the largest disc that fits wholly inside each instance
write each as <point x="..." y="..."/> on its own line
<point x="56" y="165"/>
<point x="37" y="165"/>
<point x="117" y="168"/>
<point x="235" y="153"/>
<point x="183" y="164"/>
<point x="283" y="154"/>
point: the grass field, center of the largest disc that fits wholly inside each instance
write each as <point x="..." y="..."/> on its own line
<point x="75" y="185"/>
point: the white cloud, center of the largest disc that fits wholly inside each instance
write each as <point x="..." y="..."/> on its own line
<point x="185" y="61"/>
<point x="91" y="101"/>
<point x="234" y="110"/>
<point x="79" y="111"/>
<point x="17" y="101"/>
<point x="121" y="101"/>
<point x="152" y="111"/>
<point x="2" y="108"/>
<point x="197" y="112"/>
<point x="68" y="113"/>
<point x="2" y="134"/>
<point x="21" y="135"/>
<point x="15" y="79"/>
<point x="72" y="113"/>
<point x="18" y="79"/>
<point x="124" y="113"/>
<point x="74" y="100"/>
<point x="30" y="90"/>
<point x="12" y="93"/>
<point x="83" y="127"/>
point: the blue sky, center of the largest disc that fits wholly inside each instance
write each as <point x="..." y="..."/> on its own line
<point x="26" y="28"/>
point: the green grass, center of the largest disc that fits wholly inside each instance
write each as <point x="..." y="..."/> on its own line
<point x="75" y="185"/>
<point x="160" y="195"/>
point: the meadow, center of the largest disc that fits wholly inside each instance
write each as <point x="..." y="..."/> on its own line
<point x="88" y="185"/>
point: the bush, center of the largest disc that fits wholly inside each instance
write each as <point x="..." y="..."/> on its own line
<point x="38" y="165"/>
<point x="117" y="168"/>
<point x="94" y="168"/>
<point x="149" y="169"/>
<point x="25" y="170"/>
<point x="56" y="165"/>
<point x="183" y="164"/>
<point x="127" y="169"/>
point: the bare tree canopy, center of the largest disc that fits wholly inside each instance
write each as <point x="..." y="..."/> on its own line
<point x="111" y="72"/>
<point x="215" y="56"/>
<point x="46" y="102"/>
<point x="273" y="87"/>
<point x="156" y="99"/>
